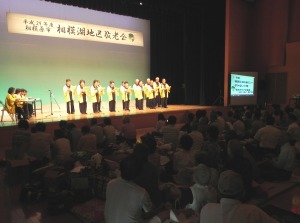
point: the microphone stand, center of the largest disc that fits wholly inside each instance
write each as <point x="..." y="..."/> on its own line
<point x="52" y="97"/>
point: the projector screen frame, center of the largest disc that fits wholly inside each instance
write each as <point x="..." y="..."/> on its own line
<point x="243" y="99"/>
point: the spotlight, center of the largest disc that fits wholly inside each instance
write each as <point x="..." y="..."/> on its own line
<point x="141" y="3"/>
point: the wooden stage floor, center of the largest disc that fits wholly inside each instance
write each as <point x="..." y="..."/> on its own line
<point x="141" y="118"/>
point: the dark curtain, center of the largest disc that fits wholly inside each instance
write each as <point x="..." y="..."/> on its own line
<point x="187" y="43"/>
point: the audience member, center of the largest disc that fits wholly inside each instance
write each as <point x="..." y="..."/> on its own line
<point x="21" y="140"/>
<point x="128" y="131"/>
<point x="74" y="135"/>
<point x="61" y="148"/>
<point x="125" y="200"/>
<point x="170" y="132"/>
<point x="154" y="157"/>
<point x="197" y="137"/>
<point x="40" y="143"/>
<point x="161" y="121"/>
<point x="97" y="130"/>
<point x="87" y="141"/>
<point x="109" y="131"/>
<point x="230" y="208"/>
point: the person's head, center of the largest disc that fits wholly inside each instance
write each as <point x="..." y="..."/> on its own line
<point x="190" y="117"/>
<point x="23" y="124"/>
<point x="148" y="80"/>
<point x="85" y="129"/>
<point x="126" y="84"/>
<point x="219" y="113"/>
<point x="201" y="174"/>
<point x="235" y="149"/>
<point x="212" y="133"/>
<point x="140" y="83"/>
<point x="230" y="185"/>
<point x="130" y="167"/>
<point x="24" y="92"/>
<point x="71" y="126"/>
<point x="93" y="121"/>
<point x="213" y="116"/>
<point x="17" y="91"/>
<point x="11" y="90"/>
<point x="157" y="79"/>
<point x="82" y="83"/>
<point x="161" y="117"/>
<point x="163" y="81"/>
<point x="151" y="83"/>
<point x="107" y="121"/>
<point x="58" y="134"/>
<point x="126" y="120"/>
<point x="68" y="82"/>
<point x="40" y="127"/>
<point x="63" y="124"/>
<point x="141" y="151"/>
<point x="136" y="81"/>
<point x="111" y="83"/>
<point x="95" y="83"/>
<point x="202" y="158"/>
<point x="150" y="141"/>
<point x="270" y="119"/>
<point x="186" y="142"/>
<point x="171" y="120"/>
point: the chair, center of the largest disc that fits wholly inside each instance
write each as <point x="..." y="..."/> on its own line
<point x="12" y="116"/>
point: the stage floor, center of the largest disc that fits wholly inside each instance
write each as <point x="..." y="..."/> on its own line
<point x="57" y="115"/>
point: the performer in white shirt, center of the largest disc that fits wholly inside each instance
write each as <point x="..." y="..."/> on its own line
<point x="151" y="95"/>
<point x="96" y="96"/>
<point x="112" y="93"/>
<point x="164" y="93"/>
<point x="146" y="93"/>
<point x="134" y="88"/>
<point x="122" y="93"/>
<point x="157" y="92"/>
<point x="69" y="96"/>
<point x="126" y="96"/>
<point x="140" y="95"/>
<point x="81" y="95"/>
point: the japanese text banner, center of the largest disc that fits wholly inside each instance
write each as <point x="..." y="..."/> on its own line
<point x="42" y="26"/>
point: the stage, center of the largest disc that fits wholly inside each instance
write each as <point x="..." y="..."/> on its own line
<point x="141" y="118"/>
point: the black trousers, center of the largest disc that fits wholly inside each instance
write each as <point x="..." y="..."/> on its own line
<point x="123" y="105"/>
<point x="97" y="107"/>
<point x="158" y="101"/>
<point x="82" y="107"/>
<point x="112" y="105"/>
<point x="140" y="104"/>
<point x="136" y="103"/>
<point x="28" y="109"/>
<point x="147" y="102"/>
<point x="20" y="112"/>
<point x="126" y="105"/>
<point x="164" y="102"/>
<point x="70" y="107"/>
<point x="152" y="103"/>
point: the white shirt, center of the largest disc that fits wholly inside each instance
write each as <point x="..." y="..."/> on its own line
<point x="125" y="201"/>
<point x="286" y="158"/>
<point x="62" y="149"/>
<point x="231" y="211"/>
<point x="268" y="137"/>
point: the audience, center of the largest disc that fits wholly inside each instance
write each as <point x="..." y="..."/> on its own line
<point x="109" y="131"/>
<point x="61" y="148"/>
<point x="87" y="141"/>
<point x="74" y="134"/>
<point x="21" y="140"/>
<point x="230" y="208"/>
<point x="125" y="200"/>
<point x="128" y="131"/>
<point x="161" y="121"/>
<point x="97" y="130"/>
<point x="170" y="132"/>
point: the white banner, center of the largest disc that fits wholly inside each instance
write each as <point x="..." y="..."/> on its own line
<point x="42" y="26"/>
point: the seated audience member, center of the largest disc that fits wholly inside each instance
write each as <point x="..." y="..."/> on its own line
<point x="230" y="208"/>
<point x="74" y="134"/>
<point x="21" y="140"/>
<point x="170" y="132"/>
<point x="40" y="143"/>
<point x="183" y="161"/>
<point x="203" y="158"/>
<point x="268" y="137"/>
<point x="202" y="120"/>
<point x="61" y="147"/>
<point x="128" y="131"/>
<point x="97" y="130"/>
<point x="63" y="124"/>
<point x="149" y="176"/>
<point x="202" y="191"/>
<point x="257" y="123"/>
<point x="87" y="141"/>
<point x="238" y="163"/>
<point x="161" y="121"/>
<point x="109" y="131"/>
<point x="293" y="127"/>
<point x="154" y="157"/>
<point x="239" y="125"/>
<point x="125" y="200"/>
<point x="198" y="138"/>
<point x="187" y="126"/>
<point x="281" y="167"/>
<point x="212" y="147"/>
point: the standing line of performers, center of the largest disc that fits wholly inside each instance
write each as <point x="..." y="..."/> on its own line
<point x="154" y="92"/>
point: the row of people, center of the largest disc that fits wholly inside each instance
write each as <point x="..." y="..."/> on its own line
<point x="155" y="93"/>
<point x="16" y="103"/>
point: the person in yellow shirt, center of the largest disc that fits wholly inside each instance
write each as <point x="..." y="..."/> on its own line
<point x="164" y="93"/>
<point x="140" y="95"/>
<point x="69" y="97"/>
<point x="151" y="95"/>
<point x="10" y="101"/>
<point x="112" y="93"/>
<point x="126" y="96"/>
<point x="96" y="96"/>
<point x="81" y="94"/>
